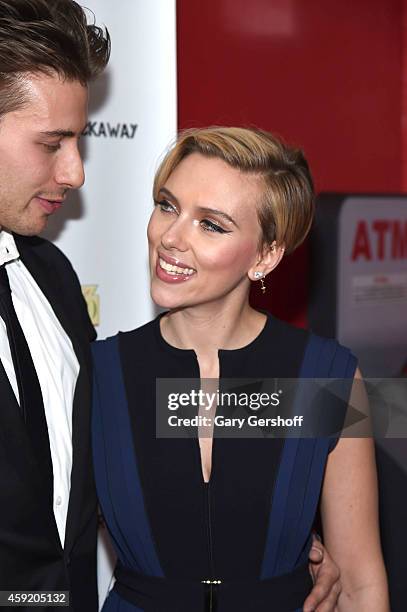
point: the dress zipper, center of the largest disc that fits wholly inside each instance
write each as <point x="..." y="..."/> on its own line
<point x="210" y="601"/>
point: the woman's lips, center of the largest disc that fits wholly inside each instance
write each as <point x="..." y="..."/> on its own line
<point x="173" y="261"/>
<point x="168" y="277"/>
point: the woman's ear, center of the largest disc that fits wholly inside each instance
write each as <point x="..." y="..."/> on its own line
<point x="268" y="259"/>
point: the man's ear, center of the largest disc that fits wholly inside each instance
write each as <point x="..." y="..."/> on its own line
<point x="268" y="259"/>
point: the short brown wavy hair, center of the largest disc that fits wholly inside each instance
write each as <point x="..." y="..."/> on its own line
<point x="48" y="36"/>
<point x="286" y="208"/>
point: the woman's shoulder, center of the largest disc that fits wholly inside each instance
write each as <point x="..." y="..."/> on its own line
<point x="139" y="340"/>
<point x="285" y="330"/>
<point x="144" y="330"/>
<point x="321" y="356"/>
<point x="288" y="330"/>
<point x="328" y="358"/>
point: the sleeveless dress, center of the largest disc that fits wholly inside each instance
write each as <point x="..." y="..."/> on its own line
<point x="237" y="543"/>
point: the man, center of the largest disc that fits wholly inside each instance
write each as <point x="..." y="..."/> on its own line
<point x="48" y="54"/>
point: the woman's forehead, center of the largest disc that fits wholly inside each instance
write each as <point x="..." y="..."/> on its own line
<point x="211" y="182"/>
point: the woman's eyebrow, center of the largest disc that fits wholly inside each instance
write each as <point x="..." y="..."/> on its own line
<point x="168" y="193"/>
<point x="204" y="209"/>
<point x="220" y="213"/>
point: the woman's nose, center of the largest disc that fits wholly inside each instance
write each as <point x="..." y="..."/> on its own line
<point x="176" y="236"/>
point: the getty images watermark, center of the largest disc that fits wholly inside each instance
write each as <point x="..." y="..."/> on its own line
<point x="206" y="402"/>
<point x="230" y="408"/>
<point x="282" y="408"/>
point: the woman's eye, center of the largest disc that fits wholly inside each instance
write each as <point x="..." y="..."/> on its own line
<point x="165" y="206"/>
<point x="209" y="226"/>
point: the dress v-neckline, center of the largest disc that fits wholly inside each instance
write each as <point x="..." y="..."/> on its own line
<point x="222" y="353"/>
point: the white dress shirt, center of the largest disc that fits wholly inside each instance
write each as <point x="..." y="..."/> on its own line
<point x="56" y="365"/>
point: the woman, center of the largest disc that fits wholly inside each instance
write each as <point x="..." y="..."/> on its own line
<point x="226" y="524"/>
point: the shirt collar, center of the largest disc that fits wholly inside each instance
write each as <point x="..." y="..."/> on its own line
<point x="8" y="248"/>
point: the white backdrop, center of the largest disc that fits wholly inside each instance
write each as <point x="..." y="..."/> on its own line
<point x="132" y="119"/>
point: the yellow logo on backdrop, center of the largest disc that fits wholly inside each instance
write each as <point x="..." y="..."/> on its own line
<point x="93" y="302"/>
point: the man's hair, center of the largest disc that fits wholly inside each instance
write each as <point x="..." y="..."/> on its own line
<point x="286" y="206"/>
<point x="47" y="36"/>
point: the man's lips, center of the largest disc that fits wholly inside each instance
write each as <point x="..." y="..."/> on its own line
<point x="50" y="206"/>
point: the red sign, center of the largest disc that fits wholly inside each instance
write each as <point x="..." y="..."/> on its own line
<point x="380" y="239"/>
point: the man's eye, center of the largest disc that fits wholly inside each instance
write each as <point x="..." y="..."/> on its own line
<point x="52" y="148"/>
<point x="209" y="226"/>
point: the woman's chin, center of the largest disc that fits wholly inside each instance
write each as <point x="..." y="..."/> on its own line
<point x="163" y="300"/>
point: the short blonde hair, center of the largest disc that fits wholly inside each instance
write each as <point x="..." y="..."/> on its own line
<point x="286" y="210"/>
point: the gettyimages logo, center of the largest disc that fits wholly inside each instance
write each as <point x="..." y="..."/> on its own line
<point x="105" y="129"/>
<point x="93" y="302"/>
<point x="281" y="408"/>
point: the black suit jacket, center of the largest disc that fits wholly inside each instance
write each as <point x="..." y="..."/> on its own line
<point x="31" y="556"/>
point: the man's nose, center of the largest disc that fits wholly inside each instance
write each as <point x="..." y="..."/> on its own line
<point x="69" y="171"/>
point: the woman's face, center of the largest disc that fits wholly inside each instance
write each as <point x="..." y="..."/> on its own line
<point x="203" y="234"/>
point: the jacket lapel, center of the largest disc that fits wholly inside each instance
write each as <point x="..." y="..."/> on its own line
<point x="15" y="437"/>
<point x="50" y="284"/>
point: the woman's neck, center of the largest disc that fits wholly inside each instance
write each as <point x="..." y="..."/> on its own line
<point x="206" y="329"/>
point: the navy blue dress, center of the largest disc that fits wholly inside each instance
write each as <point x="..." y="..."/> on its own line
<point x="248" y="531"/>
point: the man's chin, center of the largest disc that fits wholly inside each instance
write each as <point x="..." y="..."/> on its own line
<point x="31" y="229"/>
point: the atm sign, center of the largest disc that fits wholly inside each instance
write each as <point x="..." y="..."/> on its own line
<point x="380" y="239"/>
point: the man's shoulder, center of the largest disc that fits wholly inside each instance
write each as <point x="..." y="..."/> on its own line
<point x="38" y="245"/>
<point x="46" y="261"/>
<point x="43" y="250"/>
<point x="48" y="264"/>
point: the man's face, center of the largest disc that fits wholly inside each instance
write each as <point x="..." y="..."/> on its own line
<point x="39" y="156"/>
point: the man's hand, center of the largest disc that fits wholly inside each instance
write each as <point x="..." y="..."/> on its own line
<point x="326" y="577"/>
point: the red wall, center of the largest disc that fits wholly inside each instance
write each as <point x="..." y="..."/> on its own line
<point x="324" y="75"/>
<point x="404" y="99"/>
